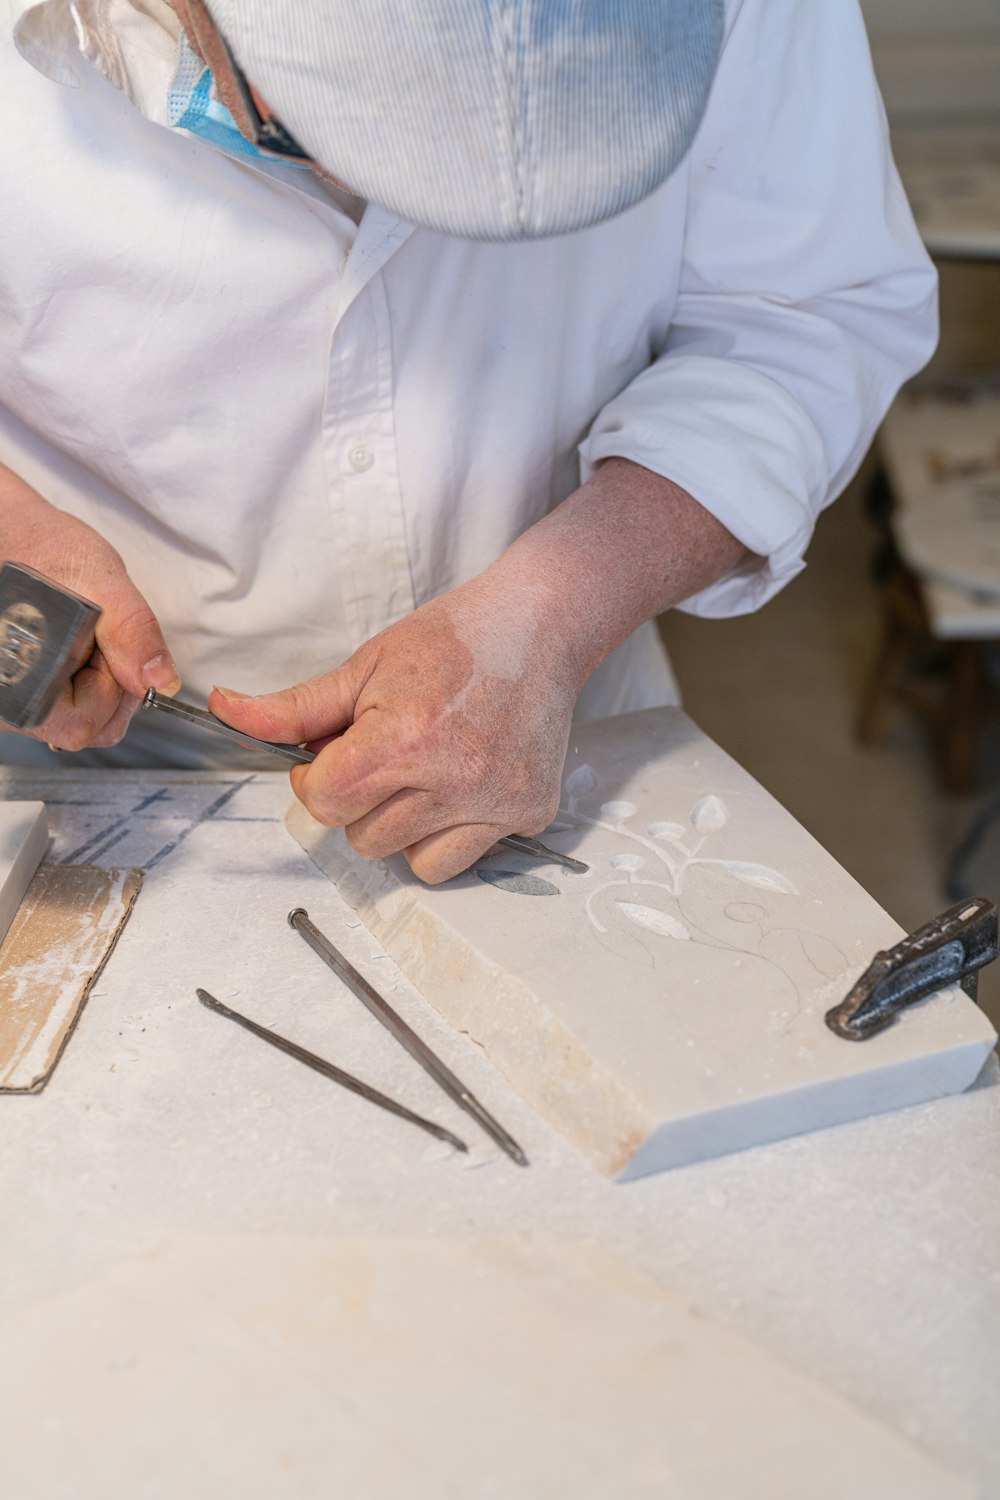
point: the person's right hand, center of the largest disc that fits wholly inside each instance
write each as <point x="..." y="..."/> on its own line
<point x="130" y="654"/>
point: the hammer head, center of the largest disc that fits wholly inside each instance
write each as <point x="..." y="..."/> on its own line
<point x="46" y="633"/>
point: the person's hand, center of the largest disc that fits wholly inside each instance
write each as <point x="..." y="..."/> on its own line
<point x="450" y="730"/>
<point x="130" y="654"/>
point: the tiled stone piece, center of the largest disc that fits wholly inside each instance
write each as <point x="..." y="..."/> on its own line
<point x="24" y="836"/>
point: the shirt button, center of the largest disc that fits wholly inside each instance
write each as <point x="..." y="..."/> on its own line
<point x="360" y="458"/>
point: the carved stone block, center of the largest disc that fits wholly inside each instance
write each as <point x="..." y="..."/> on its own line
<point x="667" y="1006"/>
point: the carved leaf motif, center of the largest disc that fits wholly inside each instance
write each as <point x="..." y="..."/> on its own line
<point x="656" y="921"/>
<point x="518" y="882"/>
<point x="759" y="875"/>
<point x="673" y="831"/>
<point x="709" y="814"/>
<point x="580" y="782"/>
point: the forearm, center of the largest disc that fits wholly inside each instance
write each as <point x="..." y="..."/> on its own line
<point x="23" y="513"/>
<point x="626" y="546"/>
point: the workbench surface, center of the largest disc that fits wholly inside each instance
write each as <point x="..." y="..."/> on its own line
<point x="867" y="1256"/>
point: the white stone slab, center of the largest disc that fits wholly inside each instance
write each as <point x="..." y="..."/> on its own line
<point x="418" y="1369"/>
<point x="24" y="837"/>
<point x="668" y="1006"/>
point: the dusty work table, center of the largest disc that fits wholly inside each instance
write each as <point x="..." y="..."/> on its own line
<point x="866" y="1256"/>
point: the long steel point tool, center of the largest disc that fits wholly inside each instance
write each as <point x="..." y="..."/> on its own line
<point x="300" y="756"/>
<point x="404" y="1034"/>
<point x="205" y="720"/>
<point x="337" y="1075"/>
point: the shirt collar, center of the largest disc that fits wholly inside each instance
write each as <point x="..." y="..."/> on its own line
<point x="131" y="43"/>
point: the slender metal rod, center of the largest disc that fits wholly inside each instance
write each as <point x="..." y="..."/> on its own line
<point x="337" y="1075"/>
<point x="201" y="716"/>
<point x="404" y="1034"/>
<point x="538" y="850"/>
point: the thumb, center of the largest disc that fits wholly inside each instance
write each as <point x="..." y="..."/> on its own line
<point x="131" y="641"/>
<point x="311" y="710"/>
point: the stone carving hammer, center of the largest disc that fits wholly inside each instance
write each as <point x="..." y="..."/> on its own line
<point x="46" y="633"/>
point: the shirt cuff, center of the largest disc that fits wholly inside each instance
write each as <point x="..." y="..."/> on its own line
<point x="736" y="441"/>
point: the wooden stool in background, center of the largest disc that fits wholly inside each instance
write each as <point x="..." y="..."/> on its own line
<point x="941" y="681"/>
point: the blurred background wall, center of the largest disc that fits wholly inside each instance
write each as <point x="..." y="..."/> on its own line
<point x="935" y="55"/>
<point x="938" y="63"/>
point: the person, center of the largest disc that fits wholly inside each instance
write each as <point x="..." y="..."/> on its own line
<point x="395" y="364"/>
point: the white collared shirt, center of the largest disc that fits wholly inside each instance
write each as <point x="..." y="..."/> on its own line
<point x="297" y="429"/>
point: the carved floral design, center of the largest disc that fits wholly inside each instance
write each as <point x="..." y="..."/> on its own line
<point x="674" y="891"/>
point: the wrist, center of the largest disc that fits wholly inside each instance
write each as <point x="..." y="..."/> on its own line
<point x="624" y="547"/>
<point x="23" y="511"/>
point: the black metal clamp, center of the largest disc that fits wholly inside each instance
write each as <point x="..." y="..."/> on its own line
<point x="951" y="949"/>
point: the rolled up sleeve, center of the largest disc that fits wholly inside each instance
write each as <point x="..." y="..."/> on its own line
<point x="805" y="296"/>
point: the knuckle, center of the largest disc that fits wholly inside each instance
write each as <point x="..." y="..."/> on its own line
<point x="426" y="867"/>
<point x="135" y="623"/>
<point x="364" y="841"/>
<point x="371" y="844"/>
<point x="442" y="859"/>
<point x="114" y="731"/>
<point x="286" y="715"/>
<point x="545" y="811"/>
<point x="76" y="733"/>
<point x="318" y="799"/>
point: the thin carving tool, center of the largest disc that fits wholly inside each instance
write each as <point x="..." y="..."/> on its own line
<point x="202" y="717"/>
<point x="300" y="756"/>
<point x="523" y="845"/>
<point x="337" y="1075"/>
<point x="404" y="1034"/>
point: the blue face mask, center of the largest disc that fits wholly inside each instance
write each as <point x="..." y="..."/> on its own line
<point x="192" y="105"/>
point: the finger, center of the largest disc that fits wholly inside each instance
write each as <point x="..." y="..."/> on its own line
<point x="85" y="707"/>
<point x="403" y="820"/>
<point x="132" y="643"/>
<point x="452" y="850"/>
<point x="114" y="730"/>
<point x="99" y="698"/>
<point x="311" y="710"/>
<point x="356" y="773"/>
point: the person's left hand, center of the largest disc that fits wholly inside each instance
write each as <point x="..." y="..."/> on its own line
<point x="443" y="733"/>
